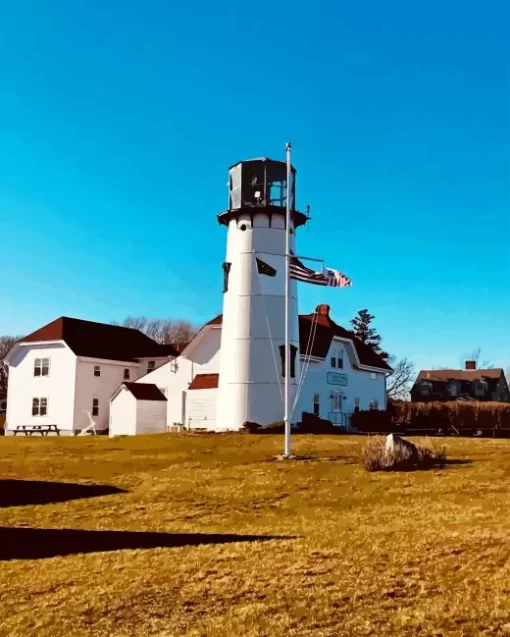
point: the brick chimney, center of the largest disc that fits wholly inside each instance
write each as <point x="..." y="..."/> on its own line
<point x="470" y="365"/>
<point x="322" y="309"/>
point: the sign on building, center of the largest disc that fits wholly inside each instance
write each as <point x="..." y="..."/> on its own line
<point x="334" y="378"/>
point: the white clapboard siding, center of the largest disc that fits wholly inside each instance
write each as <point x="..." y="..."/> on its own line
<point x="151" y="416"/>
<point x="202" y="409"/>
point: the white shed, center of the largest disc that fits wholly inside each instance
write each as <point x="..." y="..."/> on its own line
<point x="137" y="408"/>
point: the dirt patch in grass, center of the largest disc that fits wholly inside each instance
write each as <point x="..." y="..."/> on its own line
<point x="345" y="551"/>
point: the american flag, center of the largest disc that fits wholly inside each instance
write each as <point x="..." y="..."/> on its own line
<point x="332" y="278"/>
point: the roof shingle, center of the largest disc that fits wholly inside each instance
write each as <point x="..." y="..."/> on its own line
<point x="324" y="332"/>
<point x="100" y="340"/>
<point x="145" y="391"/>
<point x="204" y="381"/>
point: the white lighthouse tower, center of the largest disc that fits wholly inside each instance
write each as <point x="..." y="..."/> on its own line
<point x="252" y="359"/>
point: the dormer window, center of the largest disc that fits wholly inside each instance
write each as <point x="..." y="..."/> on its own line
<point x="337" y="359"/>
<point x="453" y="388"/>
<point x="425" y="388"/>
<point x="481" y="388"/>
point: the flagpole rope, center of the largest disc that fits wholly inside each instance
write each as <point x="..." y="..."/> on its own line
<point x="308" y="356"/>
<point x="307" y="350"/>
<point x="269" y="332"/>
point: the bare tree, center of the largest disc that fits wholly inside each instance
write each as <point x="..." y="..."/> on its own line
<point x="6" y="343"/>
<point x="399" y="382"/>
<point x="164" y="331"/>
<point x="476" y="355"/>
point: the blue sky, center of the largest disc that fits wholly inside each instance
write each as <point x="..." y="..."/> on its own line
<point x="118" y="121"/>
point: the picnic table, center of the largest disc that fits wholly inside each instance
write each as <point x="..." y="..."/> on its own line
<point x="29" y="430"/>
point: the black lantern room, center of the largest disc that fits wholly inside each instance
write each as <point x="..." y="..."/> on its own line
<point x="258" y="185"/>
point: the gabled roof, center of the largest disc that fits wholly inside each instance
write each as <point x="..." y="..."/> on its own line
<point x="144" y="391"/>
<point x="100" y="340"/>
<point x="445" y="375"/>
<point x="204" y="381"/>
<point x="325" y="330"/>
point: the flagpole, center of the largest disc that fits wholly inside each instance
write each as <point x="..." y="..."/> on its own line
<point x="286" y="416"/>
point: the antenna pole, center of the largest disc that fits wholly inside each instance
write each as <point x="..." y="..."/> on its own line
<point x="286" y="416"/>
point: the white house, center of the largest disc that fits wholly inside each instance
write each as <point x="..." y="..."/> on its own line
<point x="232" y="372"/>
<point x="71" y="366"/>
<point x="339" y="375"/>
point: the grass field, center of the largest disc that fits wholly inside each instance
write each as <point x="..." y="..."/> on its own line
<point x="214" y="537"/>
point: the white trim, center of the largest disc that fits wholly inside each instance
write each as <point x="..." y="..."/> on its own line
<point x="190" y="347"/>
<point x="106" y="361"/>
<point x="117" y="391"/>
<point x="312" y="359"/>
<point x="27" y="344"/>
<point x="358" y="363"/>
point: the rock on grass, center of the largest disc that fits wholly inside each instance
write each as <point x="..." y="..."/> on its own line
<point x="393" y="453"/>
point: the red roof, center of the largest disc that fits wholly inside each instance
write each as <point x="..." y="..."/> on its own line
<point x="145" y="391"/>
<point x="459" y="374"/>
<point x="217" y="320"/>
<point x="324" y="332"/>
<point x="100" y="340"/>
<point x="204" y="381"/>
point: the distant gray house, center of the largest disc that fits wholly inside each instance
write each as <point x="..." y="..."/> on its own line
<point x="469" y="383"/>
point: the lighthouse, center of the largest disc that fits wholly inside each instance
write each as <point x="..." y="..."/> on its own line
<point x="253" y="352"/>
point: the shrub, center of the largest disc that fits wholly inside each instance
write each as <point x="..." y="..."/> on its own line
<point x="377" y="458"/>
<point x="271" y="428"/>
<point x="251" y="427"/>
<point x="312" y="424"/>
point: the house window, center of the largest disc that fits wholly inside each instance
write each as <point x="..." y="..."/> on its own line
<point x="373" y="376"/>
<point x="356" y="404"/>
<point x="95" y="407"/>
<point x="39" y="406"/>
<point x="226" y="271"/>
<point x="481" y="388"/>
<point x="337" y="359"/>
<point x="374" y="404"/>
<point x="151" y="366"/>
<point x="425" y="389"/>
<point x="454" y="388"/>
<point x="126" y="374"/>
<point x="42" y="367"/>
<point x="316" y="404"/>
<point x="293" y="351"/>
<point x="97" y="370"/>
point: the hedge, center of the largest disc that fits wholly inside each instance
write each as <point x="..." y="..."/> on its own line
<point x="455" y="416"/>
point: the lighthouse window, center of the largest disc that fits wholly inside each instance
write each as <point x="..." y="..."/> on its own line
<point x="278" y="193"/>
<point x="226" y="272"/>
<point x="293" y="351"/>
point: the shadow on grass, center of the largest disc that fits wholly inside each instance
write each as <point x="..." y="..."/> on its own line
<point x="23" y="492"/>
<point x="31" y="544"/>
<point x="428" y="467"/>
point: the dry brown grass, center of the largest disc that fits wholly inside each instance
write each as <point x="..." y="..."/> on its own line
<point x="422" y="553"/>
<point x="377" y="458"/>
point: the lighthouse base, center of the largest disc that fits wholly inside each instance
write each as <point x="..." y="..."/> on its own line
<point x="259" y="403"/>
